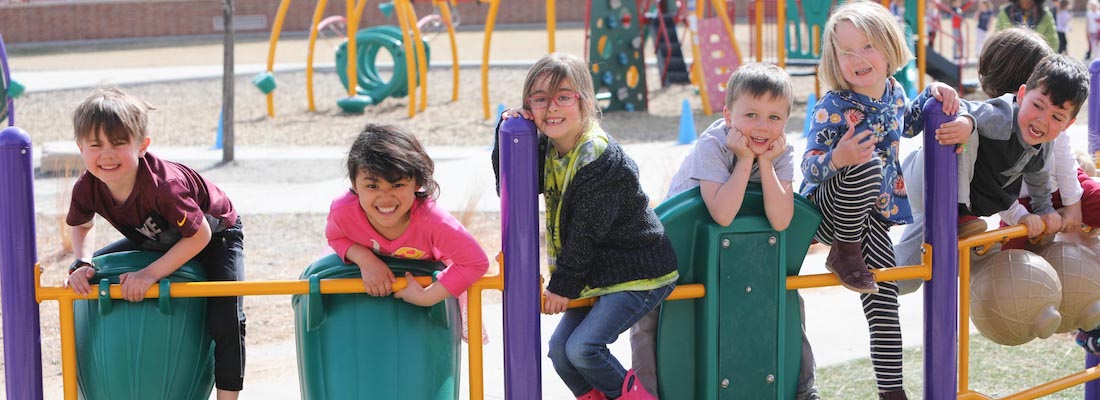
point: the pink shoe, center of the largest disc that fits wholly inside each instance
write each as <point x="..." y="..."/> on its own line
<point x="633" y="390"/>
<point x="593" y="395"/>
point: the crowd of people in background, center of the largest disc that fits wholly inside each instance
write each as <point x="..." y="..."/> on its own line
<point x="1051" y="19"/>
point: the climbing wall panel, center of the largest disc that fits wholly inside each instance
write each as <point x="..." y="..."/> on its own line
<point x="615" y="55"/>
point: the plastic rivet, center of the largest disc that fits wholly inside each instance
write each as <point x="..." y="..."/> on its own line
<point x="725" y="243"/>
<point x="725" y="383"/>
<point x="24" y="151"/>
<point x="515" y="140"/>
<point x="772" y="241"/>
<point x="748" y="289"/>
<point x="102" y="293"/>
<point x="770" y="378"/>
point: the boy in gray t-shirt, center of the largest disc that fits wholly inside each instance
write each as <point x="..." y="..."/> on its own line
<point x="711" y="160"/>
<point x="747" y="145"/>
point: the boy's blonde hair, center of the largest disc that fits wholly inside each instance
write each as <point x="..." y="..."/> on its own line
<point x="121" y="117"/>
<point x="758" y="79"/>
<point x="881" y="29"/>
<point x="564" y="67"/>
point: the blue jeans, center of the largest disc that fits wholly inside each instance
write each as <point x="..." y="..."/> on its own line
<point x="578" y="347"/>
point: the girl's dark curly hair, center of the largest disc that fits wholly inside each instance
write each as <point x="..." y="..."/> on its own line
<point x="390" y="152"/>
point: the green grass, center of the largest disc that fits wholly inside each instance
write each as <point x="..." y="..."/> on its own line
<point x="995" y="370"/>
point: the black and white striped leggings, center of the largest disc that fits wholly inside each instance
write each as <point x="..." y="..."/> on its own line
<point x="847" y="202"/>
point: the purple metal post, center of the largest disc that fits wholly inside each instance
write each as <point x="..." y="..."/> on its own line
<point x="519" y="222"/>
<point x="22" y="339"/>
<point x="1092" y="388"/>
<point x="1094" y="106"/>
<point x="941" y="297"/>
<point x="7" y="79"/>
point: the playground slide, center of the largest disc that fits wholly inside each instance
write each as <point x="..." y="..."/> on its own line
<point x="941" y="68"/>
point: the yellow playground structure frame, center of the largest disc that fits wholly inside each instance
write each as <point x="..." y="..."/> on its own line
<point x="406" y="17"/>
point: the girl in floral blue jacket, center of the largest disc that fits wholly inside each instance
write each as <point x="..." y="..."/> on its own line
<point x="851" y="167"/>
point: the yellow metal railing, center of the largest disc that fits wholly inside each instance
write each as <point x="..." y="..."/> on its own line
<point x="923" y="271"/>
<point x="981" y="244"/>
<point x="65" y="298"/>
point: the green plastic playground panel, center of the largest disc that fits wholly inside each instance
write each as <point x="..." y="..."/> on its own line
<point x="615" y="54"/>
<point x="702" y="342"/>
<point x="805" y="23"/>
<point x="155" y="349"/>
<point x="353" y="346"/>
<point x="747" y="357"/>
<point x="368" y="42"/>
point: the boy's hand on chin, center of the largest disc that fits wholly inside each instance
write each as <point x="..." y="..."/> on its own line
<point x="775" y="148"/>
<point x="738" y="143"/>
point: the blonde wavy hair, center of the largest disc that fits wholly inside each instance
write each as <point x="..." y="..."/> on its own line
<point x="881" y="29"/>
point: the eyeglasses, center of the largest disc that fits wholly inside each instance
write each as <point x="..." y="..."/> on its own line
<point x="563" y="99"/>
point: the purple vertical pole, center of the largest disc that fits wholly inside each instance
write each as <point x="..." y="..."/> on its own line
<point x="1094" y="107"/>
<point x="22" y="340"/>
<point x="519" y="222"/>
<point x="7" y="80"/>
<point x="1092" y="388"/>
<point x="941" y="296"/>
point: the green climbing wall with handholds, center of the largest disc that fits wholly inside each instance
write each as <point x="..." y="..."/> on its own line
<point x="743" y="339"/>
<point x="615" y="55"/>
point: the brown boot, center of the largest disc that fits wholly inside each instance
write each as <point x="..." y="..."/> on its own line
<point x="893" y="395"/>
<point x="845" y="260"/>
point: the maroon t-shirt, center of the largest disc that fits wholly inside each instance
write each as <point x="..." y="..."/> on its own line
<point x="166" y="204"/>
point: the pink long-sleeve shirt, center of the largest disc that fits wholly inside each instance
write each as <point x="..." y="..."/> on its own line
<point x="433" y="234"/>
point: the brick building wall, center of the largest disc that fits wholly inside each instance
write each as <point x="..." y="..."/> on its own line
<point x="45" y="21"/>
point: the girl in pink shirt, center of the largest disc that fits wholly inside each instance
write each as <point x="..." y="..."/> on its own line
<point x="390" y="211"/>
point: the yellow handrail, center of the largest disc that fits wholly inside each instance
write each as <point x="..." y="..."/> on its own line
<point x="922" y="271"/>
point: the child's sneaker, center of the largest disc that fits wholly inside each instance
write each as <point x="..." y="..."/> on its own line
<point x="1088" y="340"/>
<point x="970" y="225"/>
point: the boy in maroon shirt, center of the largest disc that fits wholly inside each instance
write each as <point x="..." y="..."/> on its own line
<point x="157" y="205"/>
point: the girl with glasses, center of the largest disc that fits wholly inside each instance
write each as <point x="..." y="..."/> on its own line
<point x="602" y="238"/>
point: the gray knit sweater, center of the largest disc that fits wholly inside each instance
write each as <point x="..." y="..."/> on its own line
<point x="609" y="233"/>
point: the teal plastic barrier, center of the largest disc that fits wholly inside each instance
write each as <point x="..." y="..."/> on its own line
<point x="743" y="340"/>
<point x="354" y="346"/>
<point x="155" y="349"/>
